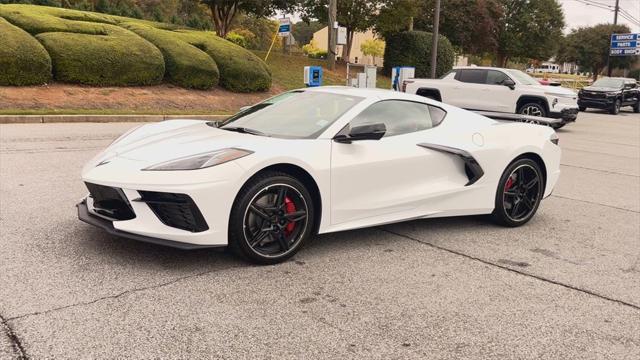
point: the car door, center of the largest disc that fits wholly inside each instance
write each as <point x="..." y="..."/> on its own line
<point x="495" y="95"/>
<point x="371" y="179"/>
<point x="468" y="93"/>
<point x="629" y="93"/>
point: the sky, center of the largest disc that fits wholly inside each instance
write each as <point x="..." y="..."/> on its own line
<point x="577" y="13"/>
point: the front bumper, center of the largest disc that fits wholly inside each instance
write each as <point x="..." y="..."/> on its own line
<point x="568" y="114"/>
<point x="106" y="225"/>
<point x="603" y="103"/>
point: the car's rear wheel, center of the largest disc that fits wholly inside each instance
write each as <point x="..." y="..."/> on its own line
<point x="636" y="107"/>
<point x="615" y="107"/>
<point x="519" y="193"/>
<point x="532" y="109"/>
<point x="582" y="108"/>
<point x="271" y="218"/>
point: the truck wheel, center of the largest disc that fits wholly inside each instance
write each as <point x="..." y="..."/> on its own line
<point x="636" y="107"/>
<point x="532" y="109"/>
<point x="582" y="108"/>
<point x="615" y="108"/>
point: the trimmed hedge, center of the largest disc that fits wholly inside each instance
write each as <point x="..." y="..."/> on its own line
<point x="413" y="48"/>
<point x="99" y="49"/>
<point x="185" y="64"/>
<point x="240" y="69"/>
<point x="23" y="61"/>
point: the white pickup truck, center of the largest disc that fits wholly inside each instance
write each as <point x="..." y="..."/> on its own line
<point x="498" y="90"/>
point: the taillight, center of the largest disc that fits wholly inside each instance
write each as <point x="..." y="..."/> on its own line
<point x="404" y="84"/>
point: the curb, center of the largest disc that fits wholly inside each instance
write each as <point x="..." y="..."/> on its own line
<point x="40" y="119"/>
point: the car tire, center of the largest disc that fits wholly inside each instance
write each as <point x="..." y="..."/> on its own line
<point x="636" y="107"/>
<point x="615" y="107"/>
<point x="559" y="126"/>
<point x="582" y="108"/>
<point x="271" y="219"/>
<point x="519" y="192"/>
<point x="533" y="109"/>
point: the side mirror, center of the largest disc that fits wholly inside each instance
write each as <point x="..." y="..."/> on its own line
<point x="509" y="83"/>
<point x="363" y="132"/>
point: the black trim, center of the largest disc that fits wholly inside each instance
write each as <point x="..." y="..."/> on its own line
<point x="84" y="215"/>
<point x="175" y="210"/>
<point x="471" y="167"/>
<point x="110" y="202"/>
<point x="566" y="115"/>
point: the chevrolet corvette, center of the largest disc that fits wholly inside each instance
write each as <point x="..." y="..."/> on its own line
<point x="313" y="161"/>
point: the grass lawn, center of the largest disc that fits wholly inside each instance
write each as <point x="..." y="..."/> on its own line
<point x="109" y="112"/>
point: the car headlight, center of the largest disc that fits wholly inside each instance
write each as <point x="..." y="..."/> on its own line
<point x="200" y="161"/>
<point x="613" y="93"/>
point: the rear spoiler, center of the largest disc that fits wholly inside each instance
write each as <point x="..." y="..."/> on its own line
<point x="520" y="118"/>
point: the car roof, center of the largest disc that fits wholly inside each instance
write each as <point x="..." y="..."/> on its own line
<point x="479" y="68"/>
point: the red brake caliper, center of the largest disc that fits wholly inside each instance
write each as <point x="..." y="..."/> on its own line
<point x="509" y="184"/>
<point x="289" y="207"/>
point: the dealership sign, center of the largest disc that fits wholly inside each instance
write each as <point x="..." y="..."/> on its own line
<point x="285" y="27"/>
<point x="625" y="44"/>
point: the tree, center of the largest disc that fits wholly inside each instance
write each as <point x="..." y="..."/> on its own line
<point x="589" y="48"/>
<point x="355" y="15"/>
<point x="373" y="48"/>
<point x="303" y="32"/>
<point x="529" y="29"/>
<point x="396" y="16"/>
<point x="223" y="12"/>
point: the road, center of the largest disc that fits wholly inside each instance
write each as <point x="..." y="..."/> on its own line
<point x="567" y="285"/>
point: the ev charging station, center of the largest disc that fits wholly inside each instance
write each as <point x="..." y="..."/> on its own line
<point x="313" y="76"/>
<point x="399" y="74"/>
<point x="366" y="79"/>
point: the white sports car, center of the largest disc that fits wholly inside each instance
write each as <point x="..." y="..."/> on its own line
<point x="311" y="161"/>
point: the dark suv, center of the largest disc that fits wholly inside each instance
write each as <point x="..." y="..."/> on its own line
<point x="610" y="94"/>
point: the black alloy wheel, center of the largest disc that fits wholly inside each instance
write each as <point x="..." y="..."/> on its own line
<point x="615" y="108"/>
<point x="271" y="219"/>
<point x="519" y="193"/>
<point x="636" y="107"/>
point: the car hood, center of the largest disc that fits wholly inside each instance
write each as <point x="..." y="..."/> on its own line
<point x="154" y="143"/>
<point x="600" y="88"/>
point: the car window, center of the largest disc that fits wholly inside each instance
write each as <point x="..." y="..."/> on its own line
<point x="496" y="77"/>
<point x="475" y="76"/>
<point x="400" y="117"/>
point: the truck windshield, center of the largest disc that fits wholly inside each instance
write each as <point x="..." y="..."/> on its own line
<point x="608" y="83"/>
<point x="522" y="78"/>
<point x="296" y="115"/>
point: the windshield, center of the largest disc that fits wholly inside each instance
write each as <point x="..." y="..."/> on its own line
<point x="522" y="78"/>
<point x="608" y="82"/>
<point x="298" y="115"/>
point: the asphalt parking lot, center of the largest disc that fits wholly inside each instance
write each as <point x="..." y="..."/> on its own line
<point x="567" y="285"/>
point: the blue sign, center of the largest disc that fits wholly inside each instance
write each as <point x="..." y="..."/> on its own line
<point x="625" y="45"/>
<point x="284" y="28"/>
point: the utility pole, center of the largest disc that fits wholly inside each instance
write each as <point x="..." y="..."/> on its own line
<point x="331" y="51"/>
<point x="615" y="22"/>
<point x="434" y="41"/>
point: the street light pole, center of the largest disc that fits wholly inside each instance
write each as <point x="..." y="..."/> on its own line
<point x="434" y="41"/>
<point x="331" y="53"/>
<point x="615" y="22"/>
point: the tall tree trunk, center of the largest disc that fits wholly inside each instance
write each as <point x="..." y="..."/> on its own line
<point x="222" y="17"/>
<point x="346" y="49"/>
<point x="411" y="23"/>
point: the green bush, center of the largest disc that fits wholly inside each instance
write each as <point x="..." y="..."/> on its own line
<point x="240" y="69"/>
<point x="413" y="48"/>
<point x="23" y="61"/>
<point x="98" y="49"/>
<point x="185" y="64"/>
<point x="237" y="39"/>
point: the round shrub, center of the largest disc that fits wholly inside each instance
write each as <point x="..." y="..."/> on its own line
<point x="118" y="57"/>
<point x="23" y="61"/>
<point x="237" y="39"/>
<point x="413" y="48"/>
<point x="185" y="64"/>
<point x="240" y="69"/>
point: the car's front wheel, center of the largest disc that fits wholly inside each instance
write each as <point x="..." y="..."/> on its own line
<point x="636" y="107"/>
<point x="532" y="109"/>
<point x="615" y="107"/>
<point x="582" y="108"/>
<point x="272" y="217"/>
<point x="519" y="193"/>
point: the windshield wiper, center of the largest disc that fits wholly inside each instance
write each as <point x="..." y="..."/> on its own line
<point x="244" y="130"/>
